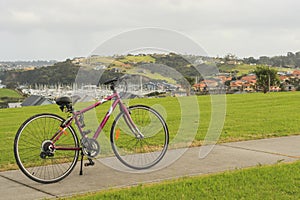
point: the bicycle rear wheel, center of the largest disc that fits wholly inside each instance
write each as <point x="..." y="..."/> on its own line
<point x="37" y="156"/>
<point x="140" y="152"/>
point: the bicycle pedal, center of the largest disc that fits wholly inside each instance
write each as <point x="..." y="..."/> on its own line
<point x="90" y="163"/>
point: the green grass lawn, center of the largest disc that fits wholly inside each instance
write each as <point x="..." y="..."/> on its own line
<point x="157" y="76"/>
<point x="138" y="59"/>
<point x="245" y="68"/>
<point x="281" y="181"/>
<point x="9" y="93"/>
<point x="10" y="120"/>
<point x="248" y="116"/>
<point x="253" y="116"/>
<point x="9" y="96"/>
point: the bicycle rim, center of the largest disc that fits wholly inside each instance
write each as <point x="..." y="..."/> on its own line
<point x="34" y="134"/>
<point x="140" y="153"/>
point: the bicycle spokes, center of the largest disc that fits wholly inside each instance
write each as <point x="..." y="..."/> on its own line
<point x="143" y="142"/>
<point x="39" y="157"/>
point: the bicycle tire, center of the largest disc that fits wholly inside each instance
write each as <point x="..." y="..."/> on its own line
<point x="32" y="137"/>
<point x="140" y="153"/>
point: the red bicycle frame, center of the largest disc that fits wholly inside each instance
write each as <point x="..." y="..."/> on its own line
<point x="76" y="114"/>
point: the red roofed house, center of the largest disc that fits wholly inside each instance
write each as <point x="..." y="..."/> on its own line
<point x="296" y="73"/>
<point x="236" y="85"/>
<point x="249" y="78"/>
<point x="200" y="87"/>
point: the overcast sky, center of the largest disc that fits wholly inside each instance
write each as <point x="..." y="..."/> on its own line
<point x="50" y="29"/>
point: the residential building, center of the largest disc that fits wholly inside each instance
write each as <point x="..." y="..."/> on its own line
<point x="35" y="100"/>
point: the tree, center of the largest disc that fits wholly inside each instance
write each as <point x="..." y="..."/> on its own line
<point x="264" y="60"/>
<point x="191" y="80"/>
<point x="230" y="56"/>
<point x="250" y="60"/>
<point x="266" y="77"/>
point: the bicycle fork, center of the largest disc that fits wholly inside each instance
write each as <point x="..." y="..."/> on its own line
<point x="134" y="129"/>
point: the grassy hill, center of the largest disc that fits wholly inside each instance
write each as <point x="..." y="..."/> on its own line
<point x="159" y="67"/>
<point x="248" y="116"/>
<point x="9" y="93"/>
<point x="242" y="69"/>
<point x="137" y="59"/>
<point x="9" y="96"/>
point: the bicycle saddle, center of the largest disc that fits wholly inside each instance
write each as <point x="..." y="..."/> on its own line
<point x="115" y="79"/>
<point x="63" y="101"/>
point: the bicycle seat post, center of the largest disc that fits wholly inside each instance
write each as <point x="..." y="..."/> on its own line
<point x="112" y="87"/>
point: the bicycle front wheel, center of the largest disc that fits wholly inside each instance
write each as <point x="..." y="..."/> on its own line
<point x="36" y="154"/>
<point x="139" y="151"/>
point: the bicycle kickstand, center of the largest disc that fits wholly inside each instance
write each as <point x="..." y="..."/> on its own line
<point x="81" y="163"/>
<point x="90" y="163"/>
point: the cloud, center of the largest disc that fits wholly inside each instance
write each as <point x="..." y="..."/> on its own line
<point x="24" y="17"/>
<point x="66" y="28"/>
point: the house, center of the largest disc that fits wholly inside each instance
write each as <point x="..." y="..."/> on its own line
<point x="296" y="74"/>
<point x="289" y="87"/>
<point x="200" y="87"/>
<point x="78" y="60"/>
<point x="14" y="105"/>
<point x="236" y="85"/>
<point x="35" y="100"/>
<point x="249" y="79"/>
<point x="223" y="79"/>
<point x="150" y="86"/>
<point x="275" y="89"/>
<point x="246" y="84"/>
<point x="211" y="83"/>
<point x="247" y="87"/>
<point x="2" y="86"/>
<point x="283" y="78"/>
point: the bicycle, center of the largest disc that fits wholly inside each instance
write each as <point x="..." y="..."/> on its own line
<point x="46" y="146"/>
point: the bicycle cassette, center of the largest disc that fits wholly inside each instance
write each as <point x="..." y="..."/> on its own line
<point x="90" y="147"/>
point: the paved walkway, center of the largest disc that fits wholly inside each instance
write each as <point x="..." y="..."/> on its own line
<point x="227" y="156"/>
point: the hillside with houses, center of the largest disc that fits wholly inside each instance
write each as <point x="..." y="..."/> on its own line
<point x="288" y="81"/>
<point x="45" y="83"/>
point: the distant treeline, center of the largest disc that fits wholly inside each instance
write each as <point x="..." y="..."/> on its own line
<point x="177" y="62"/>
<point x="29" y="63"/>
<point x="60" y="73"/>
<point x="290" y="60"/>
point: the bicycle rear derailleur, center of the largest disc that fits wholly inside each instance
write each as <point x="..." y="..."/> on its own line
<point x="47" y="149"/>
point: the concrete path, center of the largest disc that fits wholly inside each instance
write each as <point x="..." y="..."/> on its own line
<point x="227" y="156"/>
